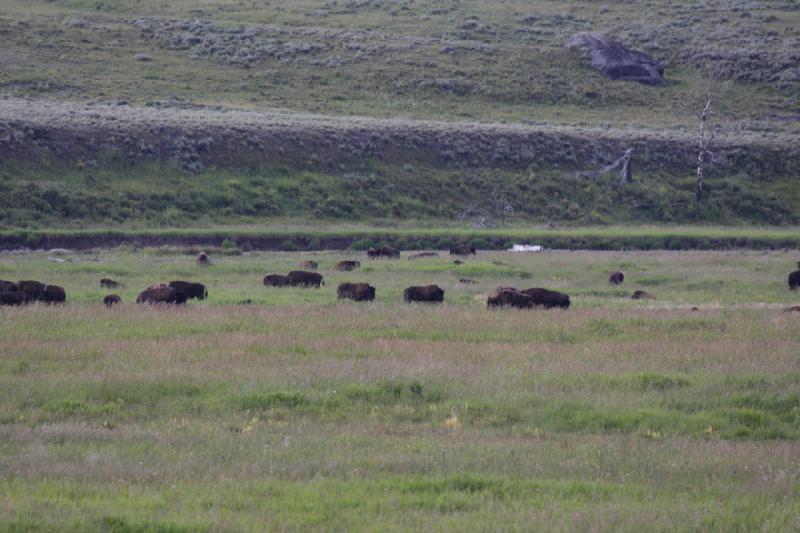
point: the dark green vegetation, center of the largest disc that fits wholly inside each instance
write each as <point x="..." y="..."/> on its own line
<point x="139" y="127"/>
<point x="297" y="412"/>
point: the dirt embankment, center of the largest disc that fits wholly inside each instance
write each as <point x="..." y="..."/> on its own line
<point x="197" y="138"/>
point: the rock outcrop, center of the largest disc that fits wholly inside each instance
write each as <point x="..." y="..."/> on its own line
<point x="615" y="61"/>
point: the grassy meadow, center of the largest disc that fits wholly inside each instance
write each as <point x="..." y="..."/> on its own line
<point x="293" y="411"/>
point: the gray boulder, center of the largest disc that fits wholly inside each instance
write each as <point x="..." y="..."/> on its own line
<point x="615" y="61"/>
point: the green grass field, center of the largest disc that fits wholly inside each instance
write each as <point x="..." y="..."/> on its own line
<point x="297" y="412"/>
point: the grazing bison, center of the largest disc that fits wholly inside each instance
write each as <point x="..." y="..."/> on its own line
<point x="793" y="309"/>
<point x="347" y="265"/>
<point x="107" y="283"/>
<point x="463" y="249"/>
<point x="33" y="290"/>
<point x="309" y="265"/>
<point x="383" y="251"/>
<point x="510" y="298"/>
<point x="642" y="295"/>
<point x="111" y="300"/>
<point x="547" y="298"/>
<point x="202" y="259"/>
<point x="276" y="280"/>
<point x="360" y="292"/>
<point x="423" y="254"/>
<point x="12" y="298"/>
<point x="161" y="295"/>
<point x="300" y="278"/>
<point x="794" y="280"/>
<point x="427" y="293"/>
<point x="191" y="290"/>
<point x="53" y="294"/>
<point x="616" y="278"/>
<point x="7" y="286"/>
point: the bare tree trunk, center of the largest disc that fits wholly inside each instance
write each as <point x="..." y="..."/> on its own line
<point x="625" y="172"/>
<point x="702" y="149"/>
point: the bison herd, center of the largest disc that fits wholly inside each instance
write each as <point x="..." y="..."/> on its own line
<point x="179" y="292"/>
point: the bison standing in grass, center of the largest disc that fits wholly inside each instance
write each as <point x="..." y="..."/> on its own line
<point x="426" y="293"/>
<point x="53" y="294"/>
<point x="616" y="278"/>
<point x="33" y="290"/>
<point x="301" y="278"/>
<point x="276" y="280"/>
<point x="359" y="292"/>
<point x="192" y="290"/>
<point x="509" y="296"/>
<point x="161" y="295"/>
<point x="12" y="298"/>
<point x="112" y="300"/>
<point x="463" y="249"/>
<point x="794" y="280"/>
<point x="384" y="251"/>
<point x="7" y="286"/>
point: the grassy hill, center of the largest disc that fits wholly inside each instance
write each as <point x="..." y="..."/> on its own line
<point x="203" y="113"/>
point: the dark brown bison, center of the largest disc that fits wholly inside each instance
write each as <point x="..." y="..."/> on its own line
<point x="202" y="259"/>
<point x="458" y="262"/>
<point x="427" y="293"/>
<point x="510" y="298"/>
<point x="301" y="278"/>
<point x="547" y="298"/>
<point x="190" y="289"/>
<point x="309" y="265"/>
<point x="276" y="280"/>
<point x="33" y="290"/>
<point x="384" y="251"/>
<point x="360" y="292"/>
<point x="347" y="266"/>
<point x="161" y="295"/>
<point x="53" y="294"/>
<point x="12" y="298"/>
<point x="793" y="309"/>
<point x="111" y="300"/>
<point x="108" y="283"/>
<point x="794" y="280"/>
<point x="463" y="249"/>
<point x="423" y="254"/>
<point x="616" y="278"/>
<point x="7" y="286"/>
<point x="642" y="295"/>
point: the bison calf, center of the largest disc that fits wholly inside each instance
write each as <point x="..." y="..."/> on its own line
<point x="111" y="300"/>
<point x="360" y="292"/>
<point x="300" y="278"/>
<point x="616" y="278"/>
<point x="427" y="293"/>
<point x="108" y="283"/>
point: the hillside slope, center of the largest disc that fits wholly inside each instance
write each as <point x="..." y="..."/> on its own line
<point x="148" y="113"/>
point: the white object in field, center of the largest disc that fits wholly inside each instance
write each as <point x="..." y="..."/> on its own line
<point x="525" y="248"/>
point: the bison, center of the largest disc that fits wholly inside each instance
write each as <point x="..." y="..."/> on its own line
<point x="642" y="295"/>
<point x="427" y="293"/>
<point x="384" y="251"/>
<point x="7" y="286"/>
<point x="12" y="298"/>
<point x="423" y="254"/>
<point x="793" y="309"/>
<point x="33" y="290"/>
<point x="463" y="249"/>
<point x="276" y="280"/>
<point x="794" y="280"/>
<point x="616" y="278"/>
<point x="309" y="265"/>
<point x="547" y="298"/>
<point x="360" y="292"/>
<point x="202" y="259"/>
<point x="510" y="298"/>
<point x="347" y="265"/>
<point x="165" y="295"/>
<point x="111" y="300"/>
<point x="53" y="294"/>
<point x="301" y="278"/>
<point x="108" y="283"/>
<point x="190" y="289"/>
